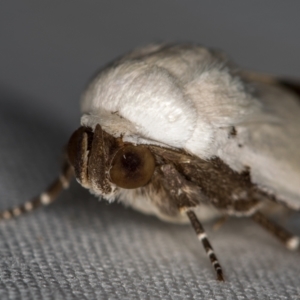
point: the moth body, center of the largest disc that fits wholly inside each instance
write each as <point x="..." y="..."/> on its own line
<point x="191" y="98"/>
<point x="179" y="132"/>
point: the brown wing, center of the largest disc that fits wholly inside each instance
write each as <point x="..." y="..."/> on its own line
<point x="291" y="84"/>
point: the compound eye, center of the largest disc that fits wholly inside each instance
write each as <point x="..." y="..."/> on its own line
<point x="132" y="167"/>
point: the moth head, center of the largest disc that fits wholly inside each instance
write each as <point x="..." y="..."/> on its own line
<point x="103" y="163"/>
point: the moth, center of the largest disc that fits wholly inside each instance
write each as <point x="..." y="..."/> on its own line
<point x="180" y="132"/>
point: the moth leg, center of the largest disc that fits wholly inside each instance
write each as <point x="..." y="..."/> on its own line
<point x="220" y="222"/>
<point x="291" y="241"/>
<point x="48" y="196"/>
<point x="206" y="244"/>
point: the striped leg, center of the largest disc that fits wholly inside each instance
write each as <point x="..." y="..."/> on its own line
<point x="291" y="241"/>
<point x="206" y="244"/>
<point x="45" y="198"/>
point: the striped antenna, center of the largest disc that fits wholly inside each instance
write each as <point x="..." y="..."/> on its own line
<point x="206" y="244"/>
<point x="48" y="196"/>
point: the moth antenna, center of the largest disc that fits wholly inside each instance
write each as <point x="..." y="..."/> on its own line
<point x="292" y="242"/>
<point x="206" y="244"/>
<point x="48" y="196"/>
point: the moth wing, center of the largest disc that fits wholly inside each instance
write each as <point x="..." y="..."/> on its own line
<point x="270" y="146"/>
<point x="291" y="84"/>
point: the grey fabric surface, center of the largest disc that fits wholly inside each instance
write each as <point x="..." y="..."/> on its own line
<point x="80" y="248"/>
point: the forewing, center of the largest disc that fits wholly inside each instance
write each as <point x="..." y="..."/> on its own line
<point x="270" y="146"/>
<point x="291" y="84"/>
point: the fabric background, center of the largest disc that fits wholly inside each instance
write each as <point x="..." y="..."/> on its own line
<point x="80" y="248"/>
